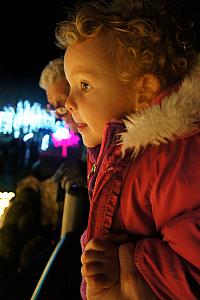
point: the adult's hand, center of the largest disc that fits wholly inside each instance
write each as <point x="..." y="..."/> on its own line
<point x="72" y="172"/>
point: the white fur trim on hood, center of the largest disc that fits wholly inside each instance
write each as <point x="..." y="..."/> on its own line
<point x="177" y="115"/>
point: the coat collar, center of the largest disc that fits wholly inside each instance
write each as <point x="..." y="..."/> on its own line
<point x="177" y="115"/>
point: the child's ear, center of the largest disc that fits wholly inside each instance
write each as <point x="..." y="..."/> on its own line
<point x="148" y="86"/>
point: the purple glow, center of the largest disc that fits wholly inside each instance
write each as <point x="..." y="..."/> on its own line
<point x="71" y="140"/>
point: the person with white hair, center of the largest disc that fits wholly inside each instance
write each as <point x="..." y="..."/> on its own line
<point x="56" y="86"/>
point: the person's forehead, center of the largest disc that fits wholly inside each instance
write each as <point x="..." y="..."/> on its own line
<point x="58" y="86"/>
<point x="89" y="47"/>
<point x="85" y="57"/>
<point x="57" y="91"/>
<point x="60" y="83"/>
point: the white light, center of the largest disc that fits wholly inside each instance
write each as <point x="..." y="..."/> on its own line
<point x="26" y="118"/>
<point x="7" y="195"/>
<point x="28" y="136"/>
<point x="45" y="142"/>
<point x="4" y="202"/>
<point x="62" y="133"/>
<point x="5" y="198"/>
<point x="16" y="134"/>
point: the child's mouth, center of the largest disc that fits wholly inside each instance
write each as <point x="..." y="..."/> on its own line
<point x="81" y="126"/>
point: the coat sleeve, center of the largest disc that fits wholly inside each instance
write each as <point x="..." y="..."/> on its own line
<point x="165" y="271"/>
<point x="171" y="265"/>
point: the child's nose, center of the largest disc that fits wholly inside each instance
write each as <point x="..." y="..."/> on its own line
<point x="70" y="104"/>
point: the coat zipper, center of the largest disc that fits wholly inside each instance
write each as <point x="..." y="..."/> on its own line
<point x="92" y="171"/>
<point x="98" y="163"/>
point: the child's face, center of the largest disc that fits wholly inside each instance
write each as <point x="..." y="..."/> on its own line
<point x="96" y="94"/>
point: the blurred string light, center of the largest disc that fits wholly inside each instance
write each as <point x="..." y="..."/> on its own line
<point x="26" y="118"/>
<point x="5" y="198"/>
<point x="64" y="138"/>
<point x="45" y="142"/>
<point x="28" y="136"/>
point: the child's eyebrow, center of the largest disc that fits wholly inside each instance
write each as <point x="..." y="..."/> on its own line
<point x="83" y="70"/>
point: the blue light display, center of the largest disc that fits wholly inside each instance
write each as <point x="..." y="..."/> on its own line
<point x="26" y="118"/>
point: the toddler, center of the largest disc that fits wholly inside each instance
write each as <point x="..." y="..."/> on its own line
<point x="132" y="67"/>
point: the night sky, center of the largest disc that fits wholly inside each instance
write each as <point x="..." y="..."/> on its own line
<point x="27" y="44"/>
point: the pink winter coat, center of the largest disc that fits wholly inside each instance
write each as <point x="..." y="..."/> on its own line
<point x="153" y="191"/>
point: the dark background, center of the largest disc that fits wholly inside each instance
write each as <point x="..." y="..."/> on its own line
<point x="27" y="43"/>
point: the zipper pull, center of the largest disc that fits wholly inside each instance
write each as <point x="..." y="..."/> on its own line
<point x="109" y="169"/>
<point x="92" y="171"/>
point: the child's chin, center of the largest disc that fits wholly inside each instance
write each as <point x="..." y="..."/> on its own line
<point x="90" y="143"/>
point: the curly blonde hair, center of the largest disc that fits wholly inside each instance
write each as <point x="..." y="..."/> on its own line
<point x="142" y="36"/>
<point x="53" y="71"/>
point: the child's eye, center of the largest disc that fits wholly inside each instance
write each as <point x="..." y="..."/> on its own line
<point x="85" y="86"/>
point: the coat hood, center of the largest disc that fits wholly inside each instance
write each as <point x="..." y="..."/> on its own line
<point x="178" y="115"/>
